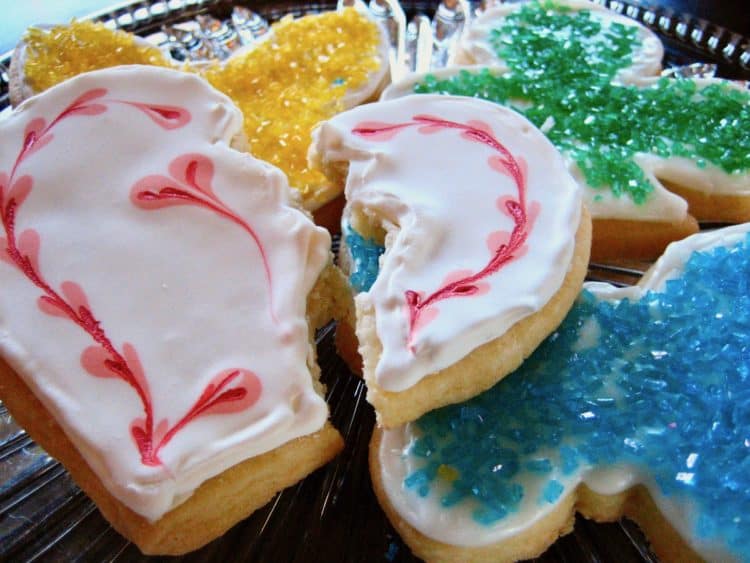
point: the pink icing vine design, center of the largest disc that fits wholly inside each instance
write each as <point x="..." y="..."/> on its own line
<point x="463" y="284"/>
<point x="190" y="184"/>
<point x="231" y="390"/>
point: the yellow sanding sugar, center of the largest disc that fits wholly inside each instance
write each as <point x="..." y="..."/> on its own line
<point x="65" y="51"/>
<point x="295" y="79"/>
<point x="448" y="472"/>
<point x="284" y="85"/>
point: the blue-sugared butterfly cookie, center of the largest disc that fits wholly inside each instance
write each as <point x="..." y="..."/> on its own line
<point x="638" y="405"/>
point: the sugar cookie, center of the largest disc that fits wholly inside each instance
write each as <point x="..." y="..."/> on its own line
<point x="486" y="244"/>
<point x="159" y="298"/>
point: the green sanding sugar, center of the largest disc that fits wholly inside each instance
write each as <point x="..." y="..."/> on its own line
<point x="562" y="65"/>
<point x="565" y="45"/>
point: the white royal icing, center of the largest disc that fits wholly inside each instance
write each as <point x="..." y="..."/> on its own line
<point x="474" y="46"/>
<point x="457" y="526"/>
<point x="438" y="198"/>
<point x="184" y="286"/>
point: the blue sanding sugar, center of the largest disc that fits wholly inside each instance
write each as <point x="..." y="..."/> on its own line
<point x="365" y="254"/>
<point x="660" y="384"/>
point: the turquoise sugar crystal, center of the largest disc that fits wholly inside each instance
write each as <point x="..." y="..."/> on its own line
<point x="552" y="491"/>
<point x="365" y="255"/>
<point x="664" y="387"/>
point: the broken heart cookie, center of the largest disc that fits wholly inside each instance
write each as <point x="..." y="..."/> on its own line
<point x="653" y="154"/>
<point x="637" y="406"/>
<point x="159" y="294"/>
<point x="303" y="71"/>
<point x="485" y="245"/>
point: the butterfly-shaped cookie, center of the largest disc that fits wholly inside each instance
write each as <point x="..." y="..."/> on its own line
<point x="637" y="405"/>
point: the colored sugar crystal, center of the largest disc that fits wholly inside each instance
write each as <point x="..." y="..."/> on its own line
<point x="673" y="368"/>
<point x="365" y="254"/>
<point x="562" y="69"/>
<point x="65" y="51"/>
<point x="552" y="491"/>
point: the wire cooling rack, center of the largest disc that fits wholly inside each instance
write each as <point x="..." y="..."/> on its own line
<point x="332" y="515"/>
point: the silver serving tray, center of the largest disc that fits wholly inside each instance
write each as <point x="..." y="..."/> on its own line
<point x="332" y="515"/>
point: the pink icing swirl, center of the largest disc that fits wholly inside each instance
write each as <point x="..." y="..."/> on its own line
<point x="232" y="390"/>
<point x="505" y="247"/>
<point x="189" y="183"/>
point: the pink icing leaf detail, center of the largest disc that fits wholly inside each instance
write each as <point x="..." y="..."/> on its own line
<point x="34" y="138"/>
<point x="20" y="190"/>
<point x="425" y="318"/>
<point x="75" y="295"/>
<point x="377" y="130"/>
<point x="52" y="307"/>
<point x="34" y="130"/>
<point x="430" y="129"/>
<point x="144" y="442"/>
<point x="510" y="207"/>
<point x="465" y="289"/>
<point x="476" y="136"/>
<point x="38" y="143"/>
<point x="217" y="399"/>
<point x="161" y="430"/>
<point x="521" y="251"/>
<point x="195" y="170"/>
<point x="28" y="246"/>
<point x="166" y="117"/>
<point x="413" y="299"/>
<point x="90" y="109"/>
<point x="93" y="94"/>
<point x="497" y="239"/>
<point x="505" y="166"/>
<point x="232" y="390"/>
<point x="136" y="369"/>
<point x="156" y="192"/>
<point x="97" y="362"/>
<point x="480" y="126"/>
<point x="455" y="275"/>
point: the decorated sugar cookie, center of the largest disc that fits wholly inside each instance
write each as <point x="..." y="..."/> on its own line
<point x="155" y="296"/>
<point x="646" y="149"/>
<point x="618" y="46"/>
<point x="636" y="406"/>
<point x="304" y="71"/>
<point x="486" y="244"/>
